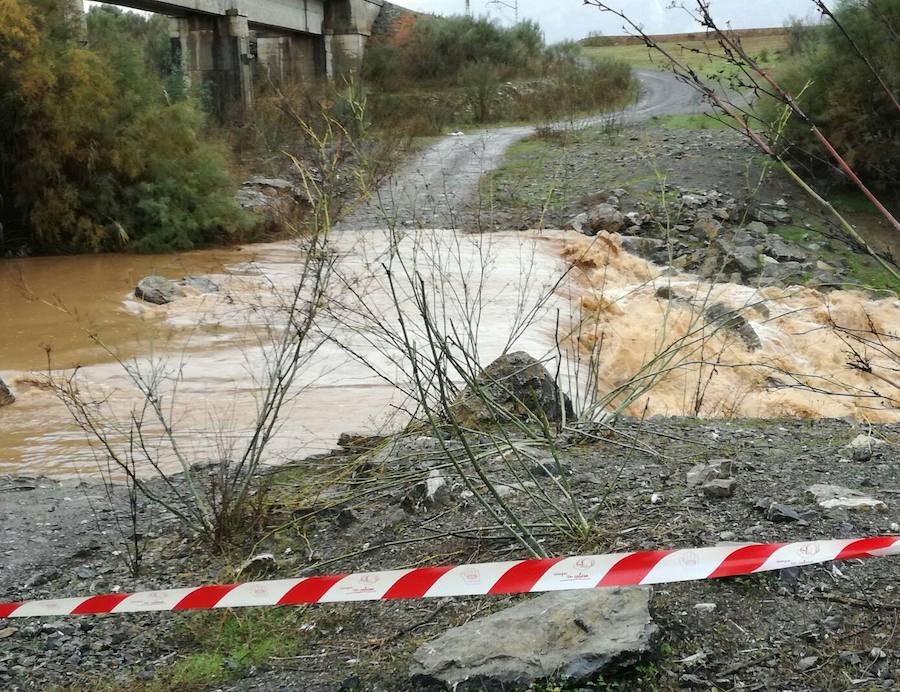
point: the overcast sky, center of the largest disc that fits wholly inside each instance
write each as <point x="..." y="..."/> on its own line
<point x="564" y="19"/>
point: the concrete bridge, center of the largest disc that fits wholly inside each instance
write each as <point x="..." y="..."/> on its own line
<point x="229" y="43"/>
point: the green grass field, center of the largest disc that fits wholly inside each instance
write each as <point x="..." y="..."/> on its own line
<point x="765" y="49"/>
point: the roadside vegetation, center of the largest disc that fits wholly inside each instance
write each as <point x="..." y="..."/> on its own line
<point x="445" y="72"/>
<point x="850" y="95"/>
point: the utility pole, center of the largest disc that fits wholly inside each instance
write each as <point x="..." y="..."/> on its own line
<point x="468" y="7"/>
<point x="509" y="4"/>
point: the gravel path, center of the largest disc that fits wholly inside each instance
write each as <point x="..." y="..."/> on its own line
<point x="433" y="190"/>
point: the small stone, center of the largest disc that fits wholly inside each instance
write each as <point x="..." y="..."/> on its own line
<point x="833" y="622"/>
<point x="258" y="565"/>
<point x="705" y="607"/>
<point x="552" y="467"/>
<point x="838" y="497"/>
<point x="863" y="447"/>
<point x="7" y="632"/>
<point x="711" y="470"/>
<point x="719" y="488"/>
<point x="779" y="513"/>
<point x="807" y="662"/>
<point x="758" y="228"/>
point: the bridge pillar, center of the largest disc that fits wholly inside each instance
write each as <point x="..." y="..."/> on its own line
<point x="214" y="54"/>
<point x="348" y="25"/>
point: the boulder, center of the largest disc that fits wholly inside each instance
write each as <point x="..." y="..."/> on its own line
<point x="261" y="194"/>
<point x="158" y="290"/>
<point x="6" y="395"/>
<point x="603" y="217"/>
<point x="838" y="497"/>
<point x="517" y="384"/>
<point x="574" y="636"/>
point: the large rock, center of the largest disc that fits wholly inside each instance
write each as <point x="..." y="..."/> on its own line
<point x="517" y="384"/>
<point x="603" y="217"/>
<point x="161" y="291"/>
<point x="571" y="635"/>
<point x="158" y="290"/>
<point x="6" y="395"/>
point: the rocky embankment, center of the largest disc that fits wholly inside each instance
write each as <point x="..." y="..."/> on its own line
<point x="711" y="234"/>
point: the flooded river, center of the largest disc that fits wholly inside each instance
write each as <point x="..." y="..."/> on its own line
<point x="214" y="346"/>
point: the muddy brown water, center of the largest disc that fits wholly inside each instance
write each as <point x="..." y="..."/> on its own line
<point x="210" y="344"/>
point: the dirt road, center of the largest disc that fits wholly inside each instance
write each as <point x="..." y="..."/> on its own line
<point x="433" y="190"/>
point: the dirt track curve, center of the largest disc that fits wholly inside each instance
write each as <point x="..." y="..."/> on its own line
<point x="434" y="189"/>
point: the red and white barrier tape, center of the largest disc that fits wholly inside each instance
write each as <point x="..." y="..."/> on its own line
<point x="522" y="576"/>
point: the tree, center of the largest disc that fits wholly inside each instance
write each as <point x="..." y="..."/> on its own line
<point x="94" y="156"/>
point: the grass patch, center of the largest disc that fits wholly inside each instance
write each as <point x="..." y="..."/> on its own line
<point x="767" y="50"/>
<point x="223" y="646"/>
<point x="868" y="273"/>
<point x="690" y="122"/>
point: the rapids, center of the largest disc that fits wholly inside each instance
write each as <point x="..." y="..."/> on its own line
<point x="623" y="310"/>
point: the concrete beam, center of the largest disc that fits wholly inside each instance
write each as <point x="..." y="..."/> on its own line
<point x="306" y="16"/>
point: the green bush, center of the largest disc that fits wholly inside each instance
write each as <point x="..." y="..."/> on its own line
<point x="95" y="155"/>
<point x="843" y="97"/>
<point x="455" y="71"/>
<point x="444" y="50"/>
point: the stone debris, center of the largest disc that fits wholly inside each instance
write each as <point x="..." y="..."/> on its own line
<point x="571" y="635"/>
<point x="838" y="497"/>
<point x="703" y="237"/>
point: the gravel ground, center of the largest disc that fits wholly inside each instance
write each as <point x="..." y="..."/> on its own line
<point x="762" y="634"/>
